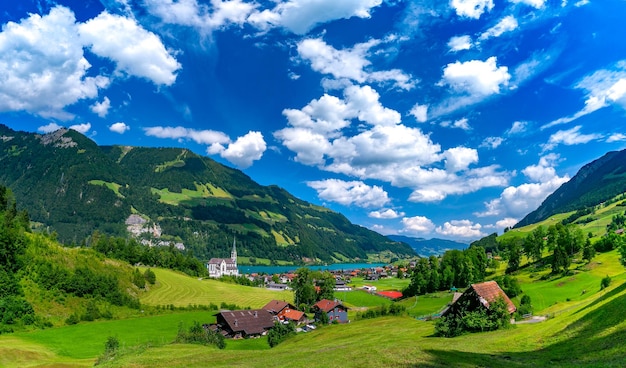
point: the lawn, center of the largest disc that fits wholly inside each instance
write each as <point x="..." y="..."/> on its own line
<point x="181" y="290"/>
<point x="360" y="298"/>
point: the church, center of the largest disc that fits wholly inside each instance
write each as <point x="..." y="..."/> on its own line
<point x="219" y="267"/>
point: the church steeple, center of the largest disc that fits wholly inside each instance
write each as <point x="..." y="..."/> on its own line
<point x="233" y="254"/>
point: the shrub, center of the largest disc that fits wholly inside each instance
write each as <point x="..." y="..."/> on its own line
<point x="606" y="281"/>
<point x="197" y="334"/>
<point x="280" y="332"/>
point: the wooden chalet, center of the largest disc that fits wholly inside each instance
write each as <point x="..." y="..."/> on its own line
<point x="479" y="296"/>
<point x="292" y="315"/>
<point x="334" y="309"/>
<point x="244" y="323"/>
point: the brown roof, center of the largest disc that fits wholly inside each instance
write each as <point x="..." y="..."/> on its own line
<point x="489" y="291"/>
<point x="327" y="305"/>
<point x="276" y="306"/>
<point x="250" y="322"/>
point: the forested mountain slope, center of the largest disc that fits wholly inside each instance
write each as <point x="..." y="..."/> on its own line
<point x="68" y="183"/>
<point x="594" y="183"/>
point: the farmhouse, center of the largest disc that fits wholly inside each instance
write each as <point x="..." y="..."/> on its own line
<point x="334" y="309"/>
<point x="479" y="296"/>
<point x="219" y="267"/>
<point x="244" y="323"/>
<point x="277" y="306"/>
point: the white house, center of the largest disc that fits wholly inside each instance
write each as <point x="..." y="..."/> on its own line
<point x="219" y="267"/>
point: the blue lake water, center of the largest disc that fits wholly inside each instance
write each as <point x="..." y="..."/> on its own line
<point x="270" y="270"/>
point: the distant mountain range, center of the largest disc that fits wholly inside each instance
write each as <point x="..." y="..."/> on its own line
<point x="594" y="183"/>
<point x="172" y="196"/>
<point x="428" y="247"/>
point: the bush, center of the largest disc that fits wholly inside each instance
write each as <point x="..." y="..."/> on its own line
<point x="606" y="281"/>
<point x="197" y="334"/>
<point x="280" y="332"/>
<point x="150" y="276"/>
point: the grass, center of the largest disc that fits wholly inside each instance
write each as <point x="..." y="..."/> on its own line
<point x="113" y="186"/>
<point x="80" y="344"/>
<point x="587" y="330"/>
<point x="360" y="299"/>
<point x="589" y="335"/>
<point x="181" y="290"/>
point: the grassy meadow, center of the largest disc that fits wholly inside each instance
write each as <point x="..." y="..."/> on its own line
<point x="180" y="290"/>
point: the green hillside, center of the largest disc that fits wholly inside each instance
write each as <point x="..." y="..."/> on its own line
<point x="583" y="330"/>
<point x="73" y="187"/>
<point x="596" y="182"/>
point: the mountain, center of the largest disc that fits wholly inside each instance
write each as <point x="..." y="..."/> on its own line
<point x="171" y="196"/>
<point x="428" y="247"/>
<point x="594" y="183"/>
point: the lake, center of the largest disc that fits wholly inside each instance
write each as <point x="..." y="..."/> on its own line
<point x="270" y="270"/>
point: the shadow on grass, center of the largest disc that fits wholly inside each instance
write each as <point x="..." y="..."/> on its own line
<point x="591" y="341"/>
<point x="607" y="295"/>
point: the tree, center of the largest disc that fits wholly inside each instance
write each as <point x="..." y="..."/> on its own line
<point x="534" y="243"/>
<point x="560" y="260"/>
<point x="588" y="251"/>
<point x="514" y="255"/>
<point x="325" y="281"/>
<point x="303" y="288"/>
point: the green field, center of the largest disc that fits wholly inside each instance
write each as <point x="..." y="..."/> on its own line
<point x="589" y="335"/>
<point x="181" y="290"/>
<point x="387" y="283"/>
<point x="584" y="329"/>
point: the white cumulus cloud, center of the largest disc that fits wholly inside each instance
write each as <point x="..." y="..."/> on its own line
<point x="420" y="113"/>
<point x="350" y="193"/>
<point x="517" y="201"/>
<point x="135" y="50"/>
<point x="386" y="214"/>
<point x="506" y="24"/>
<point x="119" y="127"/>
<point x="461" y="229"/>
<point x="459" y="43"/>
<point x="569" y="137"/>
<point x="204" y="17"/>
<point x="471" y="8"/>
<point x="350" y="63"/>
<point x="417" y="224"/>
<point x="101" y="108"/>
<point x="81" y="128"/>
<point x="476" y="77"/>
<point x="42" y="65"/>
<point x="49" y="128"/>
<point x="245" y="150"/>
<point x="300" y="16"/>
<point x="538" y="4"/>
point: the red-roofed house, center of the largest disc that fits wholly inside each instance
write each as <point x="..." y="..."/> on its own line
<point x="480" y="296"/>
<point x="334" y="309"/>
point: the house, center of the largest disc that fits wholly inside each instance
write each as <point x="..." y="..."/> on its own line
<point x="277" y="287"/>
<point x="340" y="285"/>
<point x="333" y="308"/>
<point x="479" y="296"/>
<point x="219" y="267"/>
<point x="277" y="306"/>
<point x="244" y="323"/>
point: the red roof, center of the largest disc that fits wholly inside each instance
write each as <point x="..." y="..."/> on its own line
<point x="327" y="305"/>
<point x="390" y="294"/>
<point x="291" y="314"/>
<point x="489" y="291"/>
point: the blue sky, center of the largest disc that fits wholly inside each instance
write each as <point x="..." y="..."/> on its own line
<point x="422" y="118"/>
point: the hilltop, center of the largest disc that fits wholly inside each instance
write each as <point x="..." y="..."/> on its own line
<point x="166" y="196"/>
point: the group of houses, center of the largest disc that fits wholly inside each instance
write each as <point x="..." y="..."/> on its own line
<point x="257" y="322"/>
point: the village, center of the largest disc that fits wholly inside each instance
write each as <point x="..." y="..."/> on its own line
<point x="252" y="323"/>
